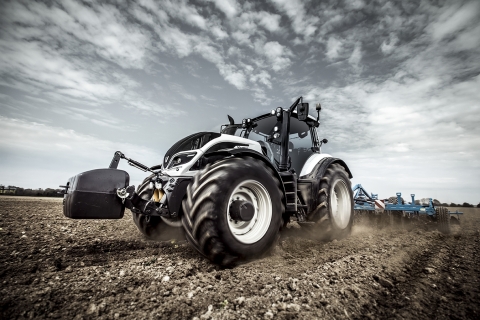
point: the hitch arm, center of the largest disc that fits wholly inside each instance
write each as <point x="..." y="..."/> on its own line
<point x="119" y="155"/>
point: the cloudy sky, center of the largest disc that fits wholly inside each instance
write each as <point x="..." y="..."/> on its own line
<point x="398" y="81"/>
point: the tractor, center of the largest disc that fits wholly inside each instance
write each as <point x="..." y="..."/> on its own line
<point x="229" y="193"/>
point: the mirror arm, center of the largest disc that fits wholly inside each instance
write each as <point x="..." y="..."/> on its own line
<point x="294" y="105"/>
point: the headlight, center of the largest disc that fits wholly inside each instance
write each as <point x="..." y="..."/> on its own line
<point x="279" y="112"/>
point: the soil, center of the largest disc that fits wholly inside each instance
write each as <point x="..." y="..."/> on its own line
<point x="55" y="267"/>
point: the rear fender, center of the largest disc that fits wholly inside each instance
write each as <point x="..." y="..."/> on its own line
<point x="321" y="166"/>
<point x="309" y="184"/>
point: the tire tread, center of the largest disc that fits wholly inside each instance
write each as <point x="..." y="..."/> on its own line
<point x="199" y="218"/>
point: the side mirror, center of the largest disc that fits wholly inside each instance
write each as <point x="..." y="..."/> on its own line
<point x="318" y="107"/>
<point x="302" y="111"/>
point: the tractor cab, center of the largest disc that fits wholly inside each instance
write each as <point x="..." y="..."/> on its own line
<point x="272" y="129"/>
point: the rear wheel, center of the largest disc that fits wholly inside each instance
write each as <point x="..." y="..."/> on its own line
<point x="233" y="210"/>
<point x="443" y="220"/>
<point x="155" y="227"/>
<point x="334" y="213"/>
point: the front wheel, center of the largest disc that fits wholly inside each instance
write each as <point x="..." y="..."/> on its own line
<point x="233" y="210"/>
<point x="155" y="227"/>
<point x="334" y="213"/>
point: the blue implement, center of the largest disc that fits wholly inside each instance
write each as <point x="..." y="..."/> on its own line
<point x="362" y="199"/>
<point x="414" y="208"/>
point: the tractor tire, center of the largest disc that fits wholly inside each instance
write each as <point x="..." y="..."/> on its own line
<point x="155" y="227"/>
<point x="443" y="220"/>
<point x="210" y="222"/>
<point x="334" y="213"/>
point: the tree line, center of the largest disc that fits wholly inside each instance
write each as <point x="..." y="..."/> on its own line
<point x="465" y="204"/>
<point x="16" y="191"/>
<point x="444" y="204"/>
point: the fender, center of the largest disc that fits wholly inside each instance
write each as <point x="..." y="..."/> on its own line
<point x="319" y="169"/>
<point x="237" y="152"/>
<point x="309" y="184"/>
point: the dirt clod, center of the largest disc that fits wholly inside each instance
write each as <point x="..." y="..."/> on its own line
<point x="384" y="282"/>
<point x="429" y="270"/>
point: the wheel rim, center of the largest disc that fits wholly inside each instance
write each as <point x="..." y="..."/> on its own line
<point x="251" y="231"/>
<point x="340" y="203"/>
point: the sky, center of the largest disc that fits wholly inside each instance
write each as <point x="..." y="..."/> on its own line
<point x="399" y="84"/>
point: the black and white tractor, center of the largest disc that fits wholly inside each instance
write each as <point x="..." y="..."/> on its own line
<point x="230" y="193"/>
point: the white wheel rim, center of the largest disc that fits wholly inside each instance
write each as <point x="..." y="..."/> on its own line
<point x="249" y="232"/>
<point x="340" y="204"/>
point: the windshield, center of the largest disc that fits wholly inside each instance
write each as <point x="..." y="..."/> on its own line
<point x="192" y="142"/>
<point x="300" y="142"/>
<point x="233" y="130"/>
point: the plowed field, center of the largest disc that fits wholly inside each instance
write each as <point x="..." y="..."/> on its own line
<point x="54" y="267"/>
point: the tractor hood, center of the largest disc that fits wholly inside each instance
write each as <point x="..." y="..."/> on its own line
<point x="192" y="142"/>
<point x="183" y="155"/>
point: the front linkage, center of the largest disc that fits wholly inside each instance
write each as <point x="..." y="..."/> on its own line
<point x="167" y="198"/>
